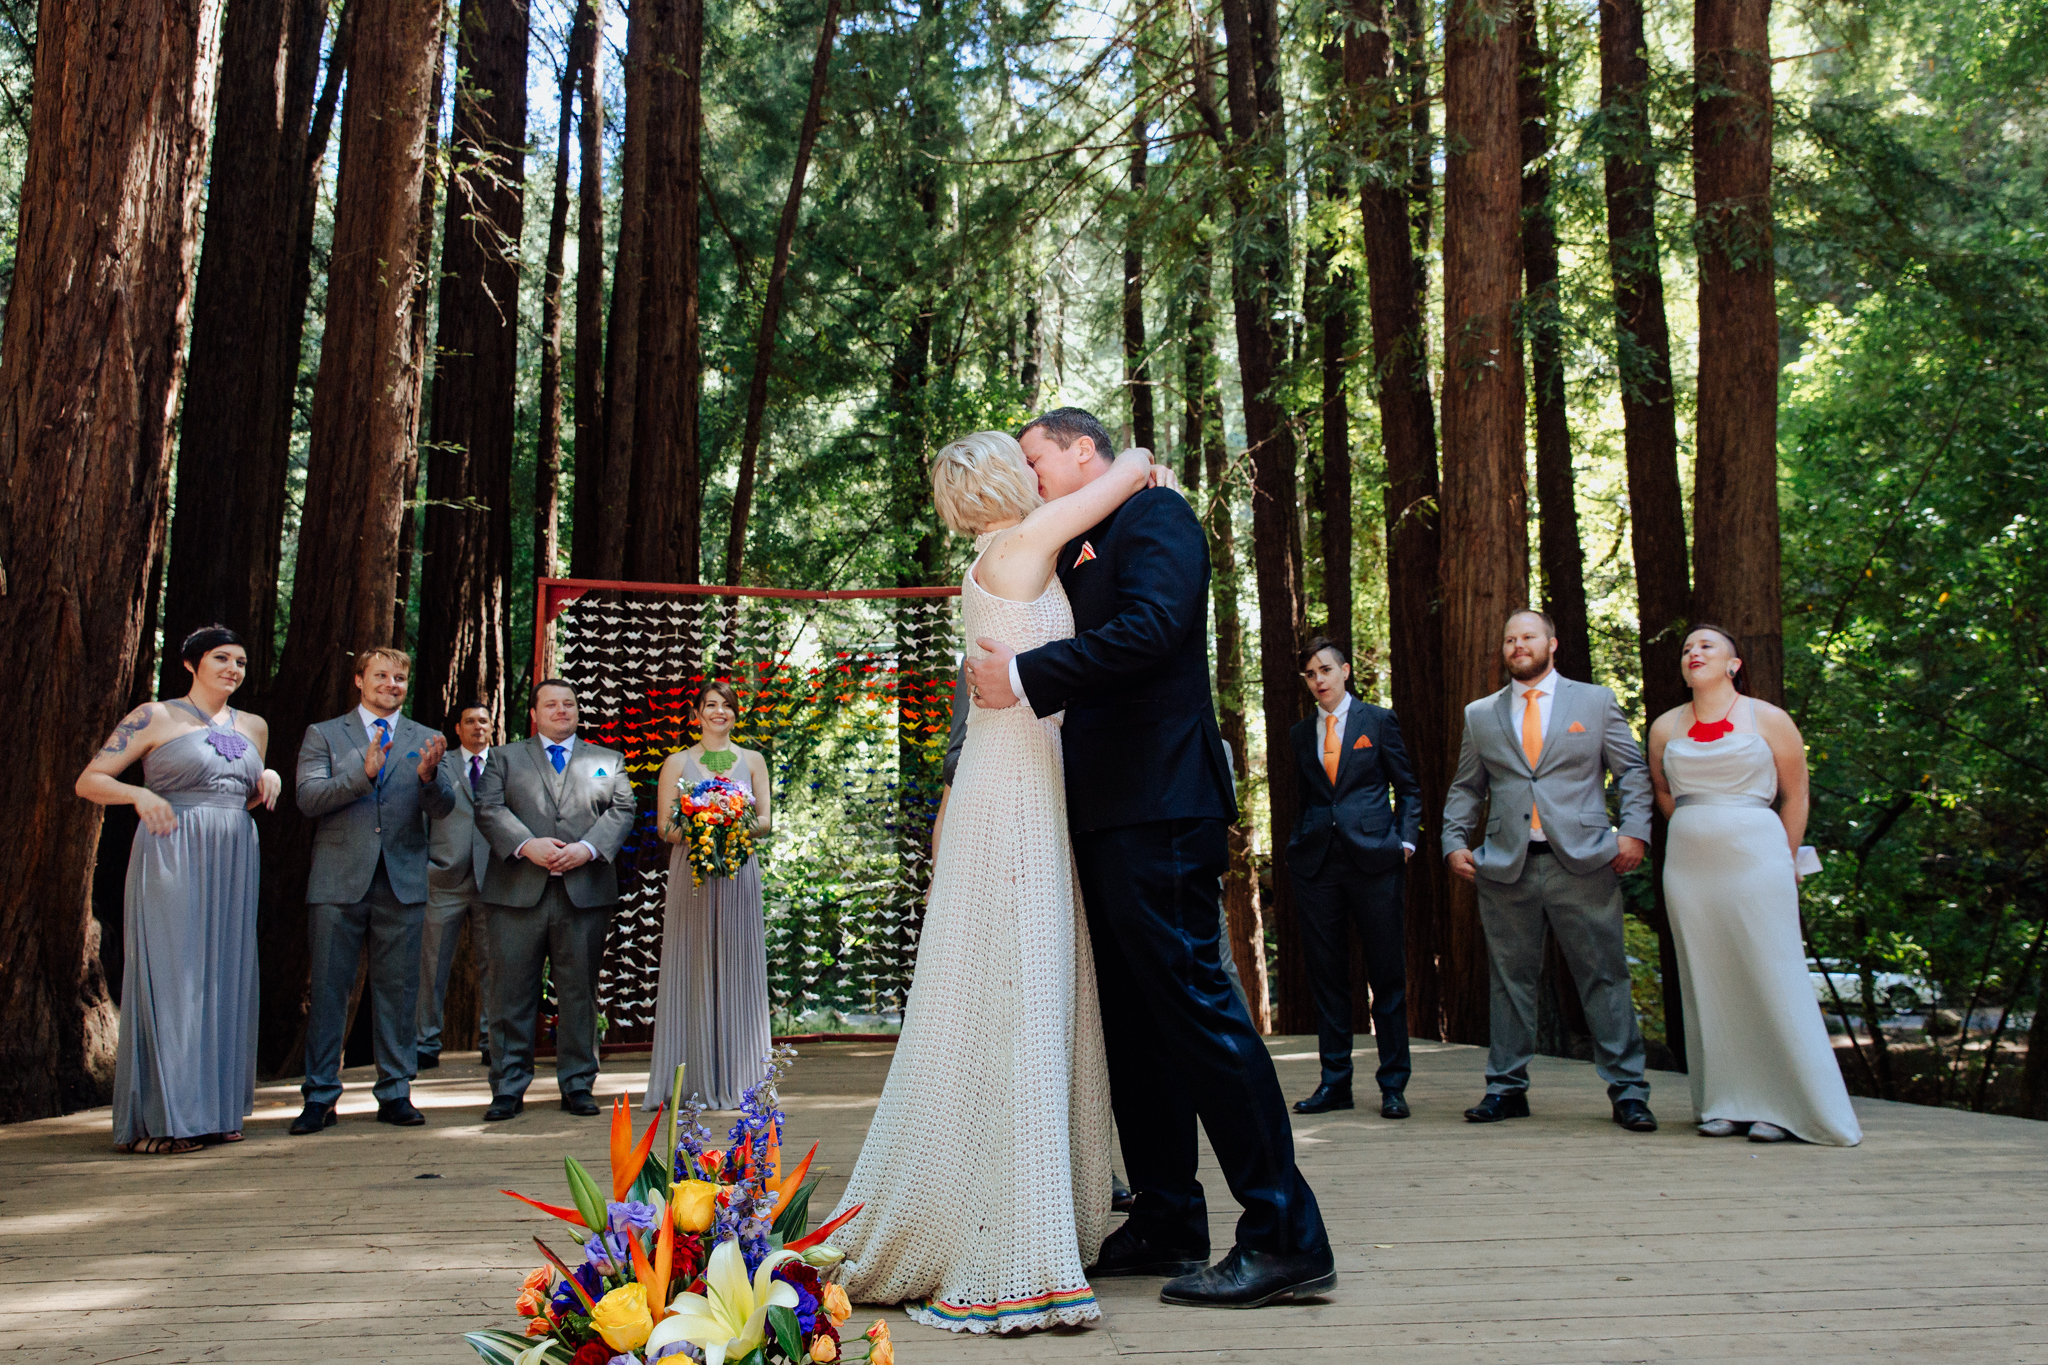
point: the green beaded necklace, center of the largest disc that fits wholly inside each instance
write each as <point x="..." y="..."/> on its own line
<point x="718" y="762"/>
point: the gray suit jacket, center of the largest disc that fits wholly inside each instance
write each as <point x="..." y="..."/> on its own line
<point x="362" y="820"/>
<point x="522" y="797"/>
<point x="1587" y="739"/>
<point x="457" y="850"/>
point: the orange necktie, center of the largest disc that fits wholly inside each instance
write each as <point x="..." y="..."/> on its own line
<point x="1330" y="748"/>
<point x="1532" y="745"/>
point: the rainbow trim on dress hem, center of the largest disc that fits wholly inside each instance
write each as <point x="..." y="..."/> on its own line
<point x="1009" y="1308"/>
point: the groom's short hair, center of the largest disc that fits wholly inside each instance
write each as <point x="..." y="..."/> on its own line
<point x="1549" y="626"/>
<point x="1316" y="646"/>
<point x="1068" y="425"/>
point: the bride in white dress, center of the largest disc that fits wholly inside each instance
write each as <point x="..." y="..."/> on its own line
<point x="985" y="1177"/>
<point x="1756" y="1048"/>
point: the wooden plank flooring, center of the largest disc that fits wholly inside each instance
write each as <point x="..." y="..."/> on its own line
<point x="1557" y="1238"/>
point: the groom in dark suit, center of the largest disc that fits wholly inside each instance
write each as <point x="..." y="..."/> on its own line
<point x="1148" y="801"/>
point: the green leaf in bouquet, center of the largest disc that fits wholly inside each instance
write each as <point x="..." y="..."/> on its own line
<point x="757" y="1356"/>
<point x="651" y="1185"/>
<point x="795" y="1219"/>
<point x="789" y="1333"/>
<point x="500" y="1347"/>
<point x="589" y="1198"/>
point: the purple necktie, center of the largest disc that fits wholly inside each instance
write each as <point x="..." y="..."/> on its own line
<point x="476" y="770"/>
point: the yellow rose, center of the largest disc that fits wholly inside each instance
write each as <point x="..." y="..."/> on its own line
<point x="824" y="1351"/>
<point x="882" y="1352"/>
<point x="622" y="1319"/>
<point x="693" y="1204"/>
<point x="835" y="1305"/>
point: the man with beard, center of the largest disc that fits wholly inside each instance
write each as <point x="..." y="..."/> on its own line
<point x="1535" y="759"/>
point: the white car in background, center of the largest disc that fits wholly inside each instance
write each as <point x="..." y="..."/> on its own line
<point x="1897" y="991"/>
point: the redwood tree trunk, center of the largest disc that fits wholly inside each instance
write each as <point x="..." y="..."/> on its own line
<point x="1137" y="377"/>
<point x="236" y="425"/>
<point x="1735" y="470"/>
<point x="1334" y="494"/>
<point x="587" y="506"/>
<point x="1649" y="414"/>
<point x="1259" y="264"/>
<point x="547" y="454"/>
<point x="622" y="334"/>
<point x="664" y="522"/>
<point x="771" y="304"/>
<point x="89" y="370"/>
<point x="1485" y="556"/>
<point x="476" y="374"/>
<point x="365" y="418"/>
<point x="1564" y="562"/>
<point x="1384" y="82"/>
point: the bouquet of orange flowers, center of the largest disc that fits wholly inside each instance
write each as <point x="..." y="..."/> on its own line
<point x="717" y="820"/>
<point x="703" y="1257"/>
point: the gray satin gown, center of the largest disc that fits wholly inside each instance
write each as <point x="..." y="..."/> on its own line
<point x="711" y="1005"/>
<point x="186" y="1063"/>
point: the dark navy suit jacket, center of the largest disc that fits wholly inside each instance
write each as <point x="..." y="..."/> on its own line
<point x="1141" y="741"/>
<point x="1372" y="764"/>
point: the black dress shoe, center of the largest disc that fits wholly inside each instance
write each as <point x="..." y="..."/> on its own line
<point x="1393" y="1105"/>
<point x="1494" y="1108"/>
<point x="313" y="1118"/>
<point x="1122" y="1199"/>
<point x="1635" y="1116"/>
<point x="1326" y="1098"/>
<point x="1253" y="1279"/>
<point x="426" y="1061"/>
<point x="1125" y="1252"/>
<point x="504" y="1107"/>
<point x="401" y="1113"/>
<point x="581" y="1105"/>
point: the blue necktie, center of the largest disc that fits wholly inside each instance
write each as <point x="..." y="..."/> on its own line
<point x="559" y="756"/>
<point x="384" y="742"/>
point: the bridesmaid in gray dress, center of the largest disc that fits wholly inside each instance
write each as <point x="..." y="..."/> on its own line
<point x="711" y="1006"/>
<point x="185" y="1068"/>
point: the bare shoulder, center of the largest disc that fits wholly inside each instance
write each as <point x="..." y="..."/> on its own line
<point x="252" y="725"/>
<point x="1666" y="725"/>
<point x="135" y="730"/>
<point x="1774" y="722"/>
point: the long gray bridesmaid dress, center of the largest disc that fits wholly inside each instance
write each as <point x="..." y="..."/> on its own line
<point x="711" y="1004"/>
<point x="186" y="1064"/>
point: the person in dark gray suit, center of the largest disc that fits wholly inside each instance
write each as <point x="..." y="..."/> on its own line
<point x="370" y="777"/>
<point x="457" y="857"/>
<point x="1535" y="759"/>
<point x="555" y="812"/>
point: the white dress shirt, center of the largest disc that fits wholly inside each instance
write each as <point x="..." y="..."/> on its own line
<point x="370" y="720"/>
<point x="1323" y="728"/>
<point x="1546" y="689"/>
<point x="568" y="753"/>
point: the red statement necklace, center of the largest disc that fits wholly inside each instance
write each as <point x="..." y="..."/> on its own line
<point x="1706" y="732"/>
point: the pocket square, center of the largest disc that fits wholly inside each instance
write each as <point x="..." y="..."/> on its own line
<point x="1575" y="729"/>
<point x="1087" y="553"/>
<point x="600" y="772"/>
<point x="1364" y="742"/>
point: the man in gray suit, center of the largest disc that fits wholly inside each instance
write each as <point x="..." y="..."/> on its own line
<point x="555" y="812"/>
<point x="1541" y="748"/>
<point x="457" y="857"/>
<point x="370" y="777"/>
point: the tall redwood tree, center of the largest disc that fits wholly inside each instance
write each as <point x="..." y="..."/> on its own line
<point x="1735" y="470"/>
<point x="89" y="369"/>
<point x="1485" y="555"/>
<point x="590" y="445"/>
<point x="476" y="374"/>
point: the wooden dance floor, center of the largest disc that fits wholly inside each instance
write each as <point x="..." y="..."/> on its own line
<point x="1555" y="1238"/>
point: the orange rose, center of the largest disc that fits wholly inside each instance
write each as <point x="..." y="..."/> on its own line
<point x="538" y="1327"/>
<point x="540" y="1277"/>
<point x="879" y="1331"/>
<point x="882" y="1353"/>
<point x="833" y="1301"/>
<point x="531" y="1303"/>
<point x="824" y="1351"/>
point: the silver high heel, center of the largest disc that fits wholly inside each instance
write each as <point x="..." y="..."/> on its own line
<point x="1720" y="1128"/>
<point x="1767" y="1132"/>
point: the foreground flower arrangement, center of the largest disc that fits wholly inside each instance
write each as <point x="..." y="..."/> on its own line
<point x="704" y="1257"/>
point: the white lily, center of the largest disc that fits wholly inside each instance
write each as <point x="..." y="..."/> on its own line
<point x="732" y="1319"/>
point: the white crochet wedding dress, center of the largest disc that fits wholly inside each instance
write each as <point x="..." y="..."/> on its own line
<point x="986" y="1172"/>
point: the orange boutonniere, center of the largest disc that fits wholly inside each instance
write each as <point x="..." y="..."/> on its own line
<point x="1575" y="729"/>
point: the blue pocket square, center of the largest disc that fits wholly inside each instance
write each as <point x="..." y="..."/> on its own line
<point x="600" y="772"/>
<point x="414" y="754"/>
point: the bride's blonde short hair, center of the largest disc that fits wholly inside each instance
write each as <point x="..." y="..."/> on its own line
<point x="983" y="478"/>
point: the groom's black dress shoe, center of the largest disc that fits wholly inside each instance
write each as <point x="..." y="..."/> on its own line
<point x="1253" y="1279"/>
<point x="1393" y="1105"/>
<point x="504" y="1107"/>
<point x="580" y="1104"/>
<point x="1122" y="1198"/>
<point x="1494" y="1108"/>
<point x="1125" y="1252"/>
<point x="1635" y="1116"/>
<point x="1326" y="1098"/>
<point x="313" y="1118"/>
<point x="401" y="1112"/>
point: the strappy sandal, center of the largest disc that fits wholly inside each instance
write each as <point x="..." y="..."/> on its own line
<point x="220" y="1139"/>
<point x="159" y="1146"/>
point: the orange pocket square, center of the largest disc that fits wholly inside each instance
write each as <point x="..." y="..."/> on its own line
<point x="1575" y="729"/>
<point x="1364" y="742"/>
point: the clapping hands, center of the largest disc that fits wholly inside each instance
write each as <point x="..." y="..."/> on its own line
<point x="430" y="757"/>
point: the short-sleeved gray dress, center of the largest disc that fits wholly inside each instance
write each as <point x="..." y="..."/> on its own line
<point x="186" y="1063"/>
<point x="711" y="1005"/>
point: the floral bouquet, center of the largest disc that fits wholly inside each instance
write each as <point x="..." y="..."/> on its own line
<point x="704" y="1257"/>
<point x="717" y="817"/>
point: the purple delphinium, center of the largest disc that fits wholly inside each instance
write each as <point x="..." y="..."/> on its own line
<point x="691" y="1139"/>
<point x="564" y="1300"/>
<point x="608" y="1254"/>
